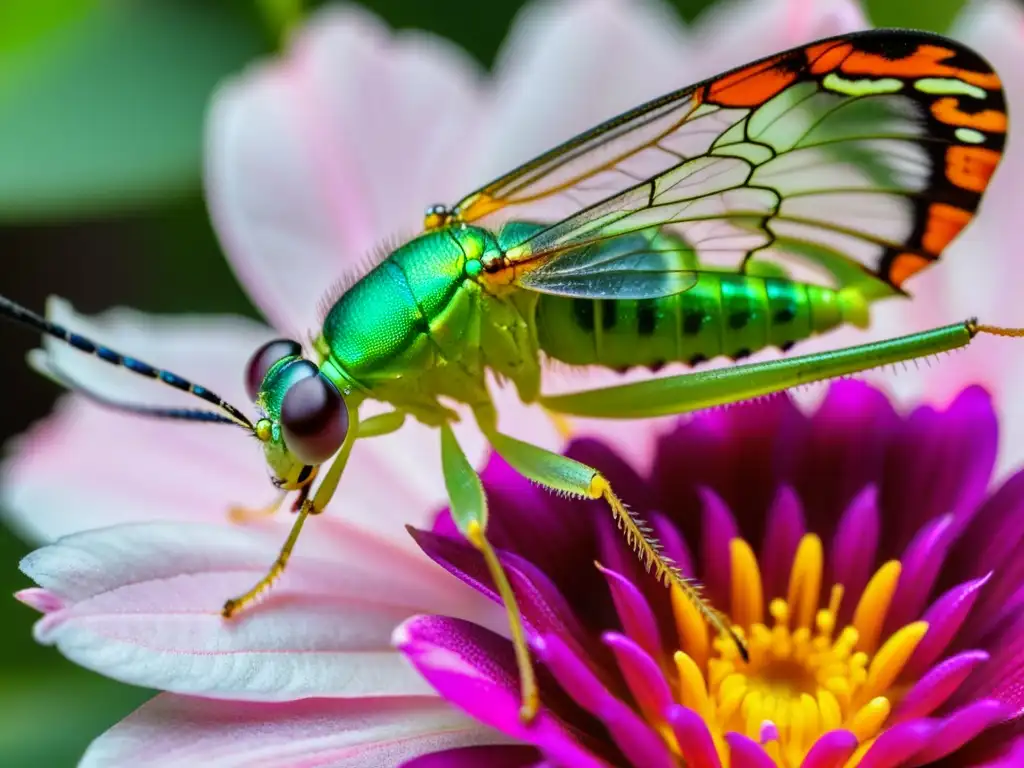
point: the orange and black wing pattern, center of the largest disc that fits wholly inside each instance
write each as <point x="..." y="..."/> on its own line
<point x="858" y="158"/>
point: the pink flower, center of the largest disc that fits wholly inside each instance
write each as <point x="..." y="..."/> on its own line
<point x="874" y="578"/>
<point x="317" y="160"/>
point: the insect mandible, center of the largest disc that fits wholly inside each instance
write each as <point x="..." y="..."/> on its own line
<point x="752" y="210"/>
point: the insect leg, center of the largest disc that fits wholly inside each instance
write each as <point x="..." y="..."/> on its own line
<point x="309" y="507"/>
<point x="329" y="484"/>
<point x="247" y="515"/>
<point x="560" y="473"/>
<point x="704" y="389"/>
<point x="236" y="604"/>
<point x="382" y="424"/>
<point x="469" y="511"/>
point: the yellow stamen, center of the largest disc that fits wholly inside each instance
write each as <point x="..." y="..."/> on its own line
<point x="831" y="715"/>
<point x="806" y="674"/>
<point x="747" y="595"/>
<point x="562" y="424"/>
<point x="891" y="658"/>
<point x="693" y="692"/>
<point x="869" y="719"/>
<point x="805" y="580"/>
<point x="870" y="614"/>
<point x="691" y="627"/>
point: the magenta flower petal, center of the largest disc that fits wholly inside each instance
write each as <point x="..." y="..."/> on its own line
<point x="802" y="628"/>
<point x="747" y="752"/>
<point x="543" y="606"/>
<point x="1005" y="671"/>
<point x="937" y="685"/>
<point x="992" y="542"/>
<point x="921" y="561"/>
<point x="941" y="463"/>
<point x="830" y="751"/>
<point x="958" y="728"/>
<point x="785" y="529"/>
<point x="645" y="679"/>
<point x="672" y="542"/>
<point x="475" y="669"/>
<point x="695" y="742"/>
<point x="850" y="407"/>
<point x="898" y="745"/>
<point x="719" y="528"/>
<point x="733" y="450"/>
<point x="855" y="546"/>
<point x="491" y="756"/>
<point x="629" y="732"/>
<point x="634" y="613"/>
<point x="615" y="555"/>
<point x="945" y="617"/>
<point x="519" y="510"/>
<point x="1009" y="755"/>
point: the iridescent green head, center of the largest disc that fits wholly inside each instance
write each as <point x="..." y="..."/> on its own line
<point x="305" y="418"/>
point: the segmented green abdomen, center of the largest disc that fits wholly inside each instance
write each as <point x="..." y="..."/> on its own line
<point x="723" y="314"/>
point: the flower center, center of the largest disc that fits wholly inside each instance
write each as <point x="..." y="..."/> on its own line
<point x="804" y="677"/>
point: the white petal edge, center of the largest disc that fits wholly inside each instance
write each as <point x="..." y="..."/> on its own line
<point x="176" y="730"/>
<point x="142" y="605"/>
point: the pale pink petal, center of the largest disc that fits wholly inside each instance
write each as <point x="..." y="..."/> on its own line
<point x="567" y="66"/>
<point x="174" y="730"/>
<point x="141" y="604"/>
<point x="317" y="158"/>
<point x="734" y="32"/>
<point x="87" y="466"/>
<point x="40" y="599"/>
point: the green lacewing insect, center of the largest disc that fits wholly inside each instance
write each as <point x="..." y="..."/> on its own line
<point x="752" y="210"/>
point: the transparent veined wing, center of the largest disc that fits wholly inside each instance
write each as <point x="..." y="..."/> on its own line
<point x="855" y="159"/>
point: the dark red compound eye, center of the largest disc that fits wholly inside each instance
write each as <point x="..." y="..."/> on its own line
<point x="263" y="360"/>
<point x="314" y="419"/>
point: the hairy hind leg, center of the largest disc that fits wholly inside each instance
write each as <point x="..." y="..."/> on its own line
<point x="560" y="473"/>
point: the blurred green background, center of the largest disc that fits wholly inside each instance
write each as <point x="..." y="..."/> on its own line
<point x="101" y="110"/>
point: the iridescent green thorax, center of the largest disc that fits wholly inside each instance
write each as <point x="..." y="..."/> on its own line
<point x="417" y="327"/>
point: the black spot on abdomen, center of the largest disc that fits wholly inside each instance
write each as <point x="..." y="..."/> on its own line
<point x="693" y="321"/>
<point x="583" y="314"/>
<point x="646" y="317"/>
<point x="609" y="313"/>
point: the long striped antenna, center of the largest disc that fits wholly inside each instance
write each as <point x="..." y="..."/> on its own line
<point x="27" y="317"/>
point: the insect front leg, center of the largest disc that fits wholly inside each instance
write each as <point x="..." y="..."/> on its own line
<point x="308" y="507"/>
<point x="560" y="473"/>
<point x="469" y="511"/>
